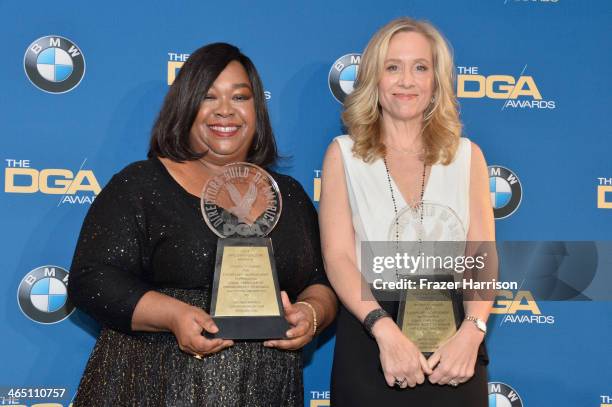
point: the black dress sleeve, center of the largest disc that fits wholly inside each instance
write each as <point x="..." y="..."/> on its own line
<point x="106" y="275"/>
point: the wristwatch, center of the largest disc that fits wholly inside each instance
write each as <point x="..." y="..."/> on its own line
<point x="480" y="324"/>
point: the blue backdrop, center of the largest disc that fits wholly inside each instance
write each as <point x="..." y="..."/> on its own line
<point x="83" y="83"/>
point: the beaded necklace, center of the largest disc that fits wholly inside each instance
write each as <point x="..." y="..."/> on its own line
<point x="419" y="205"/>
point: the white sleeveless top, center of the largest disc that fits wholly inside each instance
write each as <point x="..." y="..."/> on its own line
<point x="446" y="199"/>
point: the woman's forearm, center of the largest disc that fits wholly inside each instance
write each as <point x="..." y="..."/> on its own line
<point x="156" y="312"/>
<point x="324" y="302"/>
<point x="350" y="286"/>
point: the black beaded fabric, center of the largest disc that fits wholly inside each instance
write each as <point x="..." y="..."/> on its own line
<point x="145" y="232"/>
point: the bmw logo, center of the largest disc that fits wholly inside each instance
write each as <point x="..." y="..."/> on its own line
<point x="43" y="295"/>
<point x="502" y="395"/>
<point x="342" y="75"/>
<point x="54" y="64"/>
<point x="506" y="191"/>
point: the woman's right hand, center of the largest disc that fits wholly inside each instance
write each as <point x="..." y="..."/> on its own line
<point x="188" y="324"/>
<point x="400" y="358"/>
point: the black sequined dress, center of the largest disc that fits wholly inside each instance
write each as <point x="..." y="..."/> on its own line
<point x="145" y="232"/>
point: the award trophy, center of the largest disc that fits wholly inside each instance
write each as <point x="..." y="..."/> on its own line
<point x="242" y="205"/>
<point x="428" y="317"/>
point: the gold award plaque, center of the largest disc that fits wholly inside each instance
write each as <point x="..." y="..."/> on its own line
<point x="246" y="285"/>
<point x="428" y="319"/>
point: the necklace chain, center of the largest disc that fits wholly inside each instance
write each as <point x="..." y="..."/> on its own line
<point x="419" y="205"/>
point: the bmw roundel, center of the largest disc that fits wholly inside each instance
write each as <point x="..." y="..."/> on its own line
<point x="502" y="395"/>
<point x="342" y="75"/>
<point x="43" y="295"/>
<point x="506" y="191"/>
<point x="54" y="64"/>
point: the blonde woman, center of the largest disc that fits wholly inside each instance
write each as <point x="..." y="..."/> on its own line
<point x="404" y="148"/>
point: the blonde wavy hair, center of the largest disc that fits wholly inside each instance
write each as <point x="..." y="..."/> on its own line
<point x="362" y="114"/>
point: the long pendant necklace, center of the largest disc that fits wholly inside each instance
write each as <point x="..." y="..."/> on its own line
<point x="419" y="205"/>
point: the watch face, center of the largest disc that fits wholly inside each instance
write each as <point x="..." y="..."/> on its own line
<point x="481" y="325"/>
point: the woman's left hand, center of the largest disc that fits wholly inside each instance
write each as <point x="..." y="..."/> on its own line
<point x="300" y="318"/>
<point x="455" y="360"/>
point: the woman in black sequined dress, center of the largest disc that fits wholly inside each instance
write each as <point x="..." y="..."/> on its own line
<point x="144" y="262"/>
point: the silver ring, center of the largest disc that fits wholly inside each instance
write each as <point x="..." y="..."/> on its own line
<point x="198" y="357"/>
<point x="453" y="383"/>
<point x="399" y="382"/>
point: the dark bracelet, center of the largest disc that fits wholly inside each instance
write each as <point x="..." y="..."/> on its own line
<point x="372" y="317"/>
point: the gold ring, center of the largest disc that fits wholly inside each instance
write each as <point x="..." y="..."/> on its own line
<point x="198" y="357"/>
